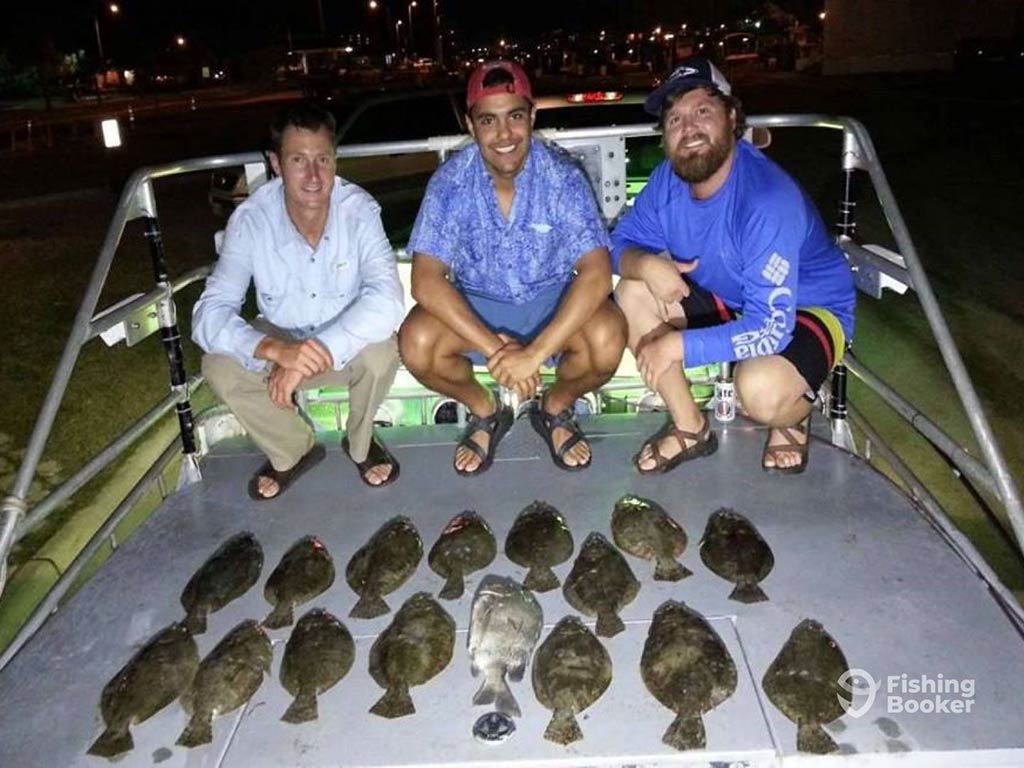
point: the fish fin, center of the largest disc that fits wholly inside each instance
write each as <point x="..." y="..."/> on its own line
<point x="515" y="674"/>
<point x="563" y="728"/>
<point x="281" y="616"/>
<point x="485" y="693"/>
<point x="748" y="593"/>
<point x="195" y="622"/>
<point x="541" y="579"/>
<point x="505" y="702"/>
<point x="668" y="569"/>
<point x="811" y="737"/>
<point x="454" y="587"/>
<point x="686" y="732"/>
<point x="198" y="731"/>
<point x="608" y="625"/>
<point x="369" y="607"/>
<point x="112" y="742"/>
<point x="303" y="709"/>
<point x="396" y="702"/>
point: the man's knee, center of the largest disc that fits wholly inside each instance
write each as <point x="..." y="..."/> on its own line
<point x="634" y="298"/>
<point x="766" y="392"/>
<point x="381" y="358"/>
<point x="606" y="334"/>
<point x="416" y="340"/>
<point x="220" y="373"/>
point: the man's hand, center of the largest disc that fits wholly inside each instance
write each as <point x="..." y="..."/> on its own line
<point x="308" y="357"/>
<point x="663" y="278"/>
<point x="657" y="356"/>
<point x="282" y="385"/>
<point x="516" y="367"/>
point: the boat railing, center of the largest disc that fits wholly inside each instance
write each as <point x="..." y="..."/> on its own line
<point x="603" y="153"/>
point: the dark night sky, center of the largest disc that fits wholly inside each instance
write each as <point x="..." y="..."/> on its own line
<point x="229" y="26"/>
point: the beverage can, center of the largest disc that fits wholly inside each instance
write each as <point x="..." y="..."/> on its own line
<point x="725" y="401"/>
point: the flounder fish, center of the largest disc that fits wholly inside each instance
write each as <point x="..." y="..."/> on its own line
<point x="733" y="549"/>
<point x="642" y="528"/>
<point x="318" y="654"/>
<point x="539" y="540"/>
<point x="382" y="565"/>
<point x="687" y="668"/>
<point x="305" y="571"/>
<point x="803" y="682"/>
<point x="465" y="545"/>
<point x="415" y="647"/>
<point x="504" y="627"/>
<point x="154" y="677"/>
<point x="600" y="584"/>
<point x="571" y="670"/>
<point x="227" y="574"/>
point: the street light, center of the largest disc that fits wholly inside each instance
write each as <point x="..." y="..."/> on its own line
<point x="412" y="40"/>
<point x="398" y="40"/>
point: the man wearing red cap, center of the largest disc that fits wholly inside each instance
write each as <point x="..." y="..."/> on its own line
<point x="511" y="269"/>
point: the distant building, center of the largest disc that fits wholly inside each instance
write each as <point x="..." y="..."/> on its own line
<point x="907" y="35"/>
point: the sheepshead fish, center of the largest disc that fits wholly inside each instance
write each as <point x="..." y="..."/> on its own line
<point x="600" y="584"/>
<point x="571" y="671"/>
<point x="415" y="647"/>
<point x="642" y="528"/>
<point x="305" y="571"/>
<point x="318" y="654"/>
<point x="154" y="677"/>
<point x="227" y="574"/>
<point x="539" y="540"/>
<point x="733" y="549"/>
<point x="465" y="545"/>
<point x="226" y="679"/>
<point x="382" y="565"/>
<point x="504" y="626"/>
<point x="803" y="682"/>
<point x="686" y="666"/>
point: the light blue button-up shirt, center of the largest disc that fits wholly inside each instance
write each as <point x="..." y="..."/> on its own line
<point x="554" y="221"/>
<point x="345" y="292"/>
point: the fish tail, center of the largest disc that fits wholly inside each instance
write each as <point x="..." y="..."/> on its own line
<point x="396" y="702"/>
<point x="303" y="709"/>
<point x="541" y="579"/>
<point x="112" y="742"/>
<point x="563" y="728"/>
<point x="686" y="732"/>
<point x="748" y="593"/>
<point x="504" y="701"/>
<point x="811" y="737"/>
<point x="198" y="731"/>
<point x="454" y="587"/>
<point x="281" y="616"/>
<point x="369" y="607"/>
<point x="195" y="621"/>
<point x="668" y="569"/>
<point x="608" y="625"/>
<point x="486" y="693"/>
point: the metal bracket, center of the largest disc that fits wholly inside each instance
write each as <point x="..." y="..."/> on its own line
<point x="604" y="161"/>
<point x="144" y="204"/>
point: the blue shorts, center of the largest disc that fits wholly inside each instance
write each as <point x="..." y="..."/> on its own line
<point x="523" y="322"/>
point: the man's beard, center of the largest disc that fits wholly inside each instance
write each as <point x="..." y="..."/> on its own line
<point x="701" y="166"/>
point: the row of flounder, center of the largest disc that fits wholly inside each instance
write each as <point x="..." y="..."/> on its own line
<point x="685" y="664"/>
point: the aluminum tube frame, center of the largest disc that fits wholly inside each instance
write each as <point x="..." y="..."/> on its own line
<point x="109" y="320"/>
<point x="50" y="603"/>
<point x="976" y="471"/>
<point x="937" y="516"/>
<point x="101" y="461"/>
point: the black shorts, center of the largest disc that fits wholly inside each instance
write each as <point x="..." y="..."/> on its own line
<point x="818" y="339"/>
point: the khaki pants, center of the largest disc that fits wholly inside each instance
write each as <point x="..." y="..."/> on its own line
<point x="281" y="433"/>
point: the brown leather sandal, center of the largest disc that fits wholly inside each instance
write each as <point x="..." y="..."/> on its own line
<point x="705" y="443"/>
<point x="286" y="477"/>
<point x="792" y="445"/>
<point x="377" y="456"/>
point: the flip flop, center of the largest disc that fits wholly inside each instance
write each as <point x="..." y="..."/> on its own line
<point x="377" y="455"/>
<point x="495" y="426"/>
<point x="705" y="443"/>
<point x="545" y="424"/>
<point x="792" y="445"/>
<point x="286" y="477"/>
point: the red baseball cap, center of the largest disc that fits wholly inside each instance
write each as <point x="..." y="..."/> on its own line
<point x="520" y="85"/>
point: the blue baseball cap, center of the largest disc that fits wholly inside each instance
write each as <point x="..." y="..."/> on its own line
<point x="691" y="73"/>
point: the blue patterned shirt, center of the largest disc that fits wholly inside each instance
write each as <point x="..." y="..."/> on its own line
<point x="553" y="222"/>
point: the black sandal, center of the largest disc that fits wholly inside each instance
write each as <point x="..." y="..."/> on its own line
<point x="284" y="478"/>
<point x="705" y="443"/>
<point x="377" y="455"/>
<point x="545" y="424"/>
<point x="496" y="426"/>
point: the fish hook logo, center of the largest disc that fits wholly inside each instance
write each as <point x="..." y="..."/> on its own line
<point x="857" y="682"/>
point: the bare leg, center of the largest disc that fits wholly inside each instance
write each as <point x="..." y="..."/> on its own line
<point x="772" y="392"/>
